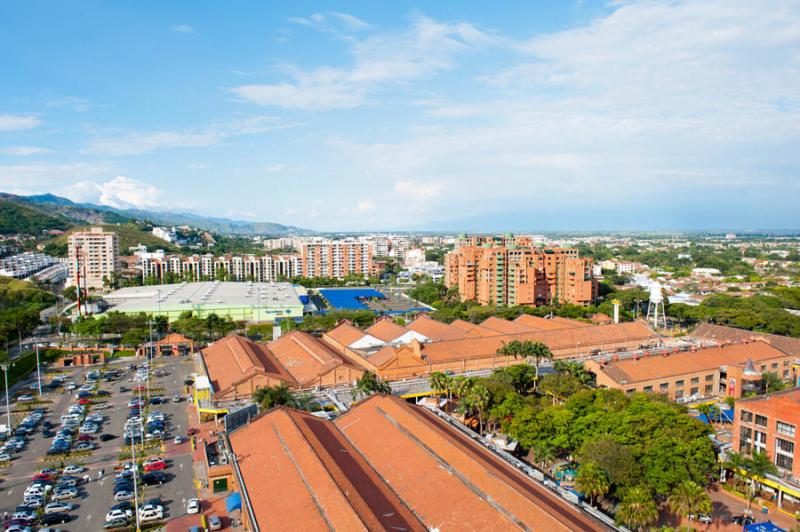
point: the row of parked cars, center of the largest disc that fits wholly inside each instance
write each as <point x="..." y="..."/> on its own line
<point x="45" y="500"/>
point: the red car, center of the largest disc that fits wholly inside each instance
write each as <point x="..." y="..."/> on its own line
<point x="140" y="389"/>
<point x="85" y="437"/>
<point x="84" y="401"/>
<point x="43" y="476"/>
<point x="156" y="466"/>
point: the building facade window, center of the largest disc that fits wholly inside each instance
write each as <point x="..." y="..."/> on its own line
<point x="784" y="462"/>
<point x="785" y="428"/>
<point x="746" y="416"/>
<point x="679" y="383"/>
<point x="648" y="389"/>
<point x="745" y="440"/>
<point x="664" y="386"/>
<point x="709" y="378"/>
<point x="693" y="391"/>
<point x="709" y="389"/>
<point x="695" y="380"/>
<point x="761" y="421"/>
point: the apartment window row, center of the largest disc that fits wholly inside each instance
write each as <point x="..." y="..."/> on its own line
<point x="785" y="428"/>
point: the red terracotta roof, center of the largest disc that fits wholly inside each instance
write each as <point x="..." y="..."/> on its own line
<point x="301" y="473"/>
<point x="505" y="326"/>
<point x="386" y="465"/>
<point x="542" y="324"/>
<point x="235" y="358"/>
<point x="345" y="334"/>
<point x="386" y="330"/>
<point x="305" y="357"/>
<point x="575" y="337"/>
<point x="174" y="338"/>
<point x="724" y="334"/>
<point x="659" y="367"/>
<point x="435" y="330"/>
<point x="476" y="330"/>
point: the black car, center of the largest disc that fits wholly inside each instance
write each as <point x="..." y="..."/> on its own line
<point x="124" y="506"/>
<point x="102" y="393"/>
<point x="743" y="520"/>
<point x="54" y="518"/>
<point x="154" y="477"/>
<point x="107" y="437"/>
<point x="156" y="401"/>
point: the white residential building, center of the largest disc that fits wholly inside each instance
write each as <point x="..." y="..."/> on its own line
<point x="93" y="256"/>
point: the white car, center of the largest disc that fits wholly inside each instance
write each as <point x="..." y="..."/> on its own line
<point x="25" y="398"/>
<point x="64" y="494"/>
<point x="55" y="507"/>
<point x="71" y="386"/>
<point x="193" y="506"/>
<point x="116" y="514"/>
<point x="150" y="514"/>
<point x="73" y="469"/>
<point x="5" y="457"/>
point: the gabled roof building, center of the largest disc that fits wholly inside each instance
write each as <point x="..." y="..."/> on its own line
<point x="385" y="465"/>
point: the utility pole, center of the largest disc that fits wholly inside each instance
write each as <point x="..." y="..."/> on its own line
<point x="5" y="367"/>
<point x="38" y="371"/>
<point x="135" y="483"/>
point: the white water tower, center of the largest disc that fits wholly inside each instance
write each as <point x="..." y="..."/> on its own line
<point x="655" y="307"/>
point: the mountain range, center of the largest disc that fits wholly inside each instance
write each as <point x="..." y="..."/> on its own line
<point x="49" y="211"/>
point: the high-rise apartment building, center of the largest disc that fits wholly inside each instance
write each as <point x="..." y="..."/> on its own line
<point x="336" y="258"/>
<point x="93" y="257"/>
<point x="266" y="268"/>
<point x="508" y="270"/>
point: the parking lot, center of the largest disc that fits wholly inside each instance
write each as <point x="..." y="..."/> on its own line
<point x="96" y="496"/>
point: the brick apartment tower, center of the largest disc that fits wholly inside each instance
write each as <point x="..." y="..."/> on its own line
<point x="336" y="259"/>
<point x="97" y="253"/>
<point x="508" y="270"/>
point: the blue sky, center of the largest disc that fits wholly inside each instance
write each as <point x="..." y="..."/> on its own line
<point x="431" y="115"/>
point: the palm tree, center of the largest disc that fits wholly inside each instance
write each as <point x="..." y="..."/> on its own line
<point x="637" y="509"/>
<point x="462" y="385"/>
<point x="438" y="382"/>
<point x="759" y="467"/>
<point x="592" y="481"/>
<point x="271" y="396"/>
<point x="510" y="349"/>
<point x="689" y="498"/>
<point x="368" y="384"/>
<point x="476" y="401"/>
<point x="735" y="462"/>
<point x="536" y="351"/>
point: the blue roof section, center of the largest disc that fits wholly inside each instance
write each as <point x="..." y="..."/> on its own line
<point x="347" y="298"/>
<point x="766" y="526"/>
<point x="233" y="502"/>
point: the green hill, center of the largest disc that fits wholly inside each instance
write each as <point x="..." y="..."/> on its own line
<point x="16" y="218"/>
<point x="129" y="234"/>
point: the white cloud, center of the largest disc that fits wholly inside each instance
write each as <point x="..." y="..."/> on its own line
<point x="132" y="143"/>
<point x="668" y="100"/>
<point x="18" y="122"/>
<point x="427" y="48"/>
<point x="41" y="176"/>
<point x="182" y="28"/>
<point x="275" y="168"/>
<point x="332" y="22"/>
<point x="24" y="151"/>
<point x="365" y="207"/>
<point x="120" y="192"/>
<point x="79" y="105"/>
<point x="197" y="166"/>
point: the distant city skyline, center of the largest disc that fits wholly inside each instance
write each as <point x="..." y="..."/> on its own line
<point x="449" y="116"/>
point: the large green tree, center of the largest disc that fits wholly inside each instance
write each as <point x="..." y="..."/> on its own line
<point x="592" y="481"/>
<point x="637" y="509"/>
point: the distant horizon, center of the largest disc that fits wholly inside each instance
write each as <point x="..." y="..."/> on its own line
<point x="636" y="115"/>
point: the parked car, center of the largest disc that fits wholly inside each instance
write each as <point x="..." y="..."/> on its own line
<point x="153" y="478"/>
<point x="743" y="520"/>
<point x="214" y="522"/>
<point x="53" y="518"/>
<point x="123" y="496"/>
<point x="193" y="506"/>
<point x="107" y="437"/>
<point x="73" y="469"/>
<point x="55" y="507"/>
<point x="116" y="523"/>
<point x="25" y="398"/>
<point x="64" y="494"/>
<point x="157" y="465"/>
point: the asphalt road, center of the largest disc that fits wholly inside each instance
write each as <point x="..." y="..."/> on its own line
<point x="96" y="496"/>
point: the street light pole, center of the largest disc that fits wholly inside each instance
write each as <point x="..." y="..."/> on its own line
<point x="38" y="372"/>
<point x="135" y="483"/>
<point x="5" y="367"/>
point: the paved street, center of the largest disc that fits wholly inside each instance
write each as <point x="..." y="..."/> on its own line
<point x="96" y="497"/>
